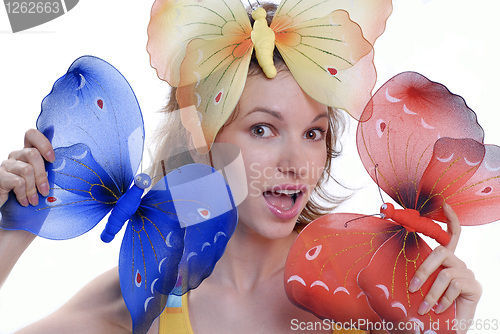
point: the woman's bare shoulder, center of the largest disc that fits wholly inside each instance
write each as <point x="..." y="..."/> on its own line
<point x="97" y="308"/>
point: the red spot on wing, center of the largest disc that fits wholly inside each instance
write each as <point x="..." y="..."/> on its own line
<point x="138" y="279"/>
<point x="100" y="103"/>
<point x="204" y="213"/>
<point x="218" y="97"/>
<point x="486" y="190"/>
<point x="51" y="199"/>
<point x="332" y="70"/>
<point x="382" y="126"/>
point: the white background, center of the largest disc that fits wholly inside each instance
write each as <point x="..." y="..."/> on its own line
<point x="449" y="41"/>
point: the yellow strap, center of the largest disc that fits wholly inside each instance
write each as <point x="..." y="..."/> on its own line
<point x="175" y="317"/>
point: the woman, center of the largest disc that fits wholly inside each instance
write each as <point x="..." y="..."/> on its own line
<point x="286" y="139"/>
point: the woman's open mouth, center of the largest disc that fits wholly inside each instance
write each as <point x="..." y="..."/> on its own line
<point x="285" y="202"/>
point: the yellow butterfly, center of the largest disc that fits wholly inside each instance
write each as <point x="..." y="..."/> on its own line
<point x="204" y="48"/>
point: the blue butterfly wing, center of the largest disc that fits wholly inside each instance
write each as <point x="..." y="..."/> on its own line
<point x="151" y="250"/>
<point x="204" y="205"/>
<point x="93" y="104"/>
<point x="81" y="194"/>
<point x="168" y="225"/>
<point x="150" y="253"/>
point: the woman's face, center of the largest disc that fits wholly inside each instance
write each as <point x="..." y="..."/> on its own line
<point x="281" y="133"/>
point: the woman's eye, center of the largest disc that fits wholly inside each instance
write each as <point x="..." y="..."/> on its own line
<point x="261" y="131"/>
<point x="315" y="134"/>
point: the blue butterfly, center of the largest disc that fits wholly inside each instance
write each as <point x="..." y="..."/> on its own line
<point x="175" y="233"/>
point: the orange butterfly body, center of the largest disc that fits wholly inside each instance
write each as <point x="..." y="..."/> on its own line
<point x="204" y="48"/>
<point x="411" y="220"/>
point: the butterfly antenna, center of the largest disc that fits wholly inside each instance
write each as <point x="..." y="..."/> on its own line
<point x="362" y="217"/>
<point x="252" y="6"/>
<point x="378" y="184"/>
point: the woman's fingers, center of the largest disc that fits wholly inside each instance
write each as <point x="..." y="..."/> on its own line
<point x="441" y="256"/>
<point x="454" y="282"/>
<point x="35" y="139"/>
<point x="454" y="228"/>
<point x="449" y="283"/>
<point x="24" y="171"/>
<point x="19" y="177"/>
<point x="29" y="164"/>
<point x="8" y="182"/>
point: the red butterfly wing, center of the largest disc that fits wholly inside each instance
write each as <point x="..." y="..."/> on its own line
<point x="477" y="200"/>
<point x="385" y="282"/>
<point x="406" y="116"/>
<point x="453" y="163"/>
<point x="323" y="264"/>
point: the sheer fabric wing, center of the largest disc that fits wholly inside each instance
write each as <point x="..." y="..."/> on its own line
<point x="219" y="71"/>
<point x="404" y="119"/>
<point x="149" y="257"/>
<point x="174" y="23"/>
<point x="478" y="196"/>
<point x="174" y="240"/>
<point x="370" y="15"/>
<point x="81" y="194"/>
<point x="93" y="104"/>
<point x="453" y="163"/>
<point x="202" y="204"/>
<point x="323" y="48"/>
<point x="386" y="279"/>
<point x="323" y="264"/>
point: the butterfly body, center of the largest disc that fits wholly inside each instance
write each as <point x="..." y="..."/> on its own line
<point x="412" y="221"/>
<point x="263" y="39"/>
<point x="125" y="207"/>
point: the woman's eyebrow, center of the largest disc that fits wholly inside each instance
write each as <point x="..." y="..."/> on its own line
<point x="273" y="113"/>
<point x="279" y="116"/>
<point x="319" y="117"/>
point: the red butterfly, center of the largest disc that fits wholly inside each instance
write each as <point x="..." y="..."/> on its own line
<point x="424" y="146"/>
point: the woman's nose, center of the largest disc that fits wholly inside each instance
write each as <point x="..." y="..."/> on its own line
<point x="292" y="159"/>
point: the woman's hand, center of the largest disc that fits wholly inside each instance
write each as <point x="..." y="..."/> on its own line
<point x="24" y="173"/>
<point x="454" y="283"/>
<point x="24" y="170"/>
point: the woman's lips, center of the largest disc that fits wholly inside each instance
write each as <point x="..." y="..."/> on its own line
<point x="285" y="202"/>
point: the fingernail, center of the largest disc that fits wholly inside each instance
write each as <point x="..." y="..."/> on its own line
<point x="50" y="156"/>
<point x="423" y="308"/>
<point x="44" y="189"/>
<point x="24" y="202"/>
<point x="34" y="200"/>
<point x="439" y="308"/>
<point x="446" y="206"/>
<point x="414" y="284"/>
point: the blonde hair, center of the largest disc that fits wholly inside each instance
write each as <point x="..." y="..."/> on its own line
<point x="172" y="151"/>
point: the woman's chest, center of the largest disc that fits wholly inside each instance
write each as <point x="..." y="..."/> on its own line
<point x="265" y="309"/>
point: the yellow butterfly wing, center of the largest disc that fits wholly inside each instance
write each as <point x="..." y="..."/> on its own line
<point x="212" y="78"/>
<point x="370" y="15"/>
<point x="174" y="23"/>
<point x="319" y="52"/>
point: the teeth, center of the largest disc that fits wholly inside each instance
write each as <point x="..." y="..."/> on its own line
<point x="287" y="192"/>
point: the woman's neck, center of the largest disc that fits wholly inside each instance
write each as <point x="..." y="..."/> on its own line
<point x="250" y="259"/>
